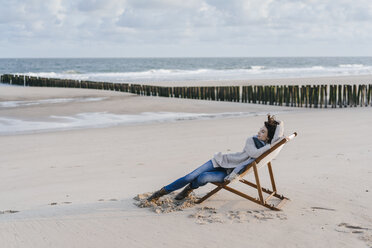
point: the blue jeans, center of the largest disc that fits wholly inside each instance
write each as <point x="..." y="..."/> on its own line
<point x="199" y="177"/>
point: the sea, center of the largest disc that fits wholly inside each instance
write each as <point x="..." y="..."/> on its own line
<point x="142" y="70"/>
<point x="185" y="69"/>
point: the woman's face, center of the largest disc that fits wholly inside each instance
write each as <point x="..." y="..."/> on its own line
<point x="262" y="134"/>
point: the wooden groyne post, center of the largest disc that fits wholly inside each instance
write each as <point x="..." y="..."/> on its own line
<point x="311" y="96"/>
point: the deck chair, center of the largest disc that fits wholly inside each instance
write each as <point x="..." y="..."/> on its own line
<point x="264" y="159"/>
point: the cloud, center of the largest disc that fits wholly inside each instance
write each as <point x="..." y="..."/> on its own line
<point x="184" y="23"/>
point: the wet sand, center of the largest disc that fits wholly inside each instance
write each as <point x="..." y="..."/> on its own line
<point x="77" y="188"/>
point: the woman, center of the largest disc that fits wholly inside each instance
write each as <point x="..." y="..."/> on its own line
<point x="226" y="167"/>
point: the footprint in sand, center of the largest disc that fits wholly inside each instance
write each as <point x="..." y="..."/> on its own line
<point x="263" y="216"/>
<point x="202" y="215"/>
<point x="363" y="233"/>
<point x="55" y="203"/>
<point x="9" y="212"/>
<point x="165" y="204"/>
<point x="206" y="215"/>
<point x="211" y="215"/>
<point x="113" y="199"/>
<point x="237" y="216"/>
<point x="345" y="227"/>
<point x="322" y="208"/>
<point x="266" y="215"/>
<point x="367" y="238"/>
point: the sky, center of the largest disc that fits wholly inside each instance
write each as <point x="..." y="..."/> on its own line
<point x="185" y="28"/>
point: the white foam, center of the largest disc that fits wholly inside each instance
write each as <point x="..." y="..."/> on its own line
<point x="257" y="67"/>
<point x="256" y="71"/>
<point x="13" y="104"/>
<point x="351" y="65"/>
<point x="71" y="72"/>
<point x="9" y="126"/>
<point x="317" y="68"/>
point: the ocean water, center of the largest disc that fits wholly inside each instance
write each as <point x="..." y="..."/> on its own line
<point x="15" y="104"/>
<point x="184" y="69"/>
<point x="13" y="126"/>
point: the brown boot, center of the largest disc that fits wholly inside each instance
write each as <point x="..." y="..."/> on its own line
<point x="184" y="193"/>
<point x="156" y="195"/>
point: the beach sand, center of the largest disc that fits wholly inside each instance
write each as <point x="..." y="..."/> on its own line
<point x="83" y="187"/>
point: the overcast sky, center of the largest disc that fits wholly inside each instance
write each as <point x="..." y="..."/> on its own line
<point x="179" y="28"/>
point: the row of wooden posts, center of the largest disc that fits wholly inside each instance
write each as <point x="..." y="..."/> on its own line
<point x="316" y="96"/>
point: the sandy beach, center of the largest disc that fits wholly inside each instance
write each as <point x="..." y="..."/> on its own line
<point x="73" y="185"/>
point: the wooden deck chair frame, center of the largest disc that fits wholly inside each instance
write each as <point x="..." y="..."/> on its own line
<point x="258" y="162"/>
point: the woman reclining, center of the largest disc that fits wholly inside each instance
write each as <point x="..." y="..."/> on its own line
<point x="226" y="167"/>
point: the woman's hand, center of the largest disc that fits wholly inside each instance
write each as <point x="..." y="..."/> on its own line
<point x="231" y="177"/>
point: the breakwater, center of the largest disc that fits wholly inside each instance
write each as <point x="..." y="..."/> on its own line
<point x="311" y="96"/>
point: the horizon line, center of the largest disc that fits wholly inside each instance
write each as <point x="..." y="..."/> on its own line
<point x="185" y="57"/>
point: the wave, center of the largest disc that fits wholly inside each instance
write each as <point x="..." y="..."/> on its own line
<point x="351" y="65"/>
<point x="9" y="126"/>
<point x="13" y="104"/>
<point x="257" y="67"/>
<point x="71" y="72"/>
<point x="253" y="72"/>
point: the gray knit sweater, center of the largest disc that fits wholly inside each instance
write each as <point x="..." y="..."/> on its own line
<point x="232" y="160"/>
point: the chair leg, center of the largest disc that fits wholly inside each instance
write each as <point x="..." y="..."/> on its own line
<point x="263" y="189"/>
<point x="270" y="206"/>
<point x="258" y="183"/>
<point x="218" y="188"/>
<point x="261" y="201"/>
<point x="271" y="176"/>
<point x="256" y="200"/>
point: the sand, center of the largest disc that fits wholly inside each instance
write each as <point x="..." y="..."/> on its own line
<point x="113" y="102"/>
<point x="83" y="187"/>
